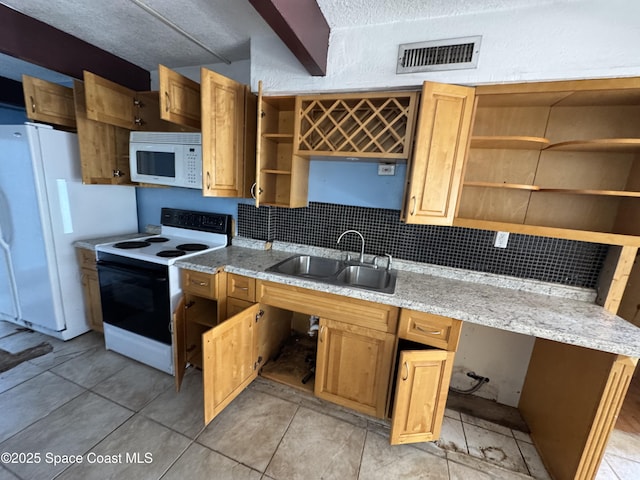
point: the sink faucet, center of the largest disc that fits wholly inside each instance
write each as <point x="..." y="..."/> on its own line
<point x="361" y="238"/>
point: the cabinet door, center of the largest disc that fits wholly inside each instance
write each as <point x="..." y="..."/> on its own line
<point x="223" y="110"/>
<point x="104" y="149"/>
<point x="92" y="297"/>
<point x="109" y="102"/>
<point x="178" y="338"/>
<point x="229" y="360"/>
<point x="422" y="386"/>
<point x="179" y="98"/>
<point x="441" y="143"/>
<point x="256" y="189"/>
<point x="48" y="102"/>
<point x="353" y="366"/>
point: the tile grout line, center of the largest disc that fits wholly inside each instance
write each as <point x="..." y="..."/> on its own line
<point x="281" y="438"/>
<point x="364" y="443"/>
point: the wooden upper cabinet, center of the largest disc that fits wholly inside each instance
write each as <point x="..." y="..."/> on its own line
<point x="282" y="178"/>
<point x="110" y="103"/>
<point x="179" y="98"/>
<point x="228" y="136"/>
<point x="104" y="148"/>
<point x="49" y="102"/>
<point x="422" y="387"/>
<point x="441" y="142"/>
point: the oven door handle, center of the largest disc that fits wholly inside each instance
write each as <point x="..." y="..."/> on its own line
<point x="137" y="271"/>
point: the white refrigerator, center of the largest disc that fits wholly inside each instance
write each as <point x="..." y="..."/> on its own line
<point x="44" y="209"/>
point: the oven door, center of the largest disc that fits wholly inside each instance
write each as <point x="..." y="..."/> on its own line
<point x="135" y="296"/>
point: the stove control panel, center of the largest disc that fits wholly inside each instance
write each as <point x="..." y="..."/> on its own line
<point x="203" y="221"/>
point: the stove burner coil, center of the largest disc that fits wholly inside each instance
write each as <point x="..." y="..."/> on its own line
<point x="132" y="244"/>
<point x="156" y="239"/>
<point x="192" y="247"/>
<point x="170" y="253"/>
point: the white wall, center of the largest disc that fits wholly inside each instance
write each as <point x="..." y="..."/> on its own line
<point x="581" y="39"/>
<point x="501" y="356"/>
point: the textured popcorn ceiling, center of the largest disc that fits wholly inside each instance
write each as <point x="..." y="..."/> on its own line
<point x="225" y="26"/>
<point x="354" y="13"/>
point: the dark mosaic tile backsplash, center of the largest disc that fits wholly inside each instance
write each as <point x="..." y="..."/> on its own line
<point x="320" y="224"/>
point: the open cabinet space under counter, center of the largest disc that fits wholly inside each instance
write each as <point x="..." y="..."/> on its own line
<point x="339" y="349"/>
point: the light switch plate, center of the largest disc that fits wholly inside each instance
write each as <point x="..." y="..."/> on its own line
<point x="502" y="238"/>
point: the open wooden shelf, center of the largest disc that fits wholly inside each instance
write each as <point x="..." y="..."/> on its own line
<point x="276" y="172"/>
<point x="279" y="137"/>
<point x="509" y="142"/>
<point x="610" y="193"/>
<point x="569" y="191"/>
<point x="512" y="186"/>
<point x="611" y="145"/>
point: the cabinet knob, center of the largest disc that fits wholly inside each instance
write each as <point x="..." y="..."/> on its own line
<point x="406" y="371"/>
<point x="168" y="102"/>
<point x="33" y="104"/>
<point x="413" y="206"/>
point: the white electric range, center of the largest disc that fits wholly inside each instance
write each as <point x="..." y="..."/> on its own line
<point x="140" y="284"/>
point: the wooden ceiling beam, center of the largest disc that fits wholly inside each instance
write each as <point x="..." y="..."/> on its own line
<point x="301" y="25"/>
<point x="36" y="42"/>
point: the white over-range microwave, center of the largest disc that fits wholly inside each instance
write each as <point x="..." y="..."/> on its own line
<point x="166" y="158"/>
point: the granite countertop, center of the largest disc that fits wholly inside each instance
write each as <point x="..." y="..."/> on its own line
<point x="554" y="312"/>
<point x="568" y="317"/>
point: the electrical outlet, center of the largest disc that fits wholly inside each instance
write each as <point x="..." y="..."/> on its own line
<point x="502" y="238"/>
<point x="386" y="169"/>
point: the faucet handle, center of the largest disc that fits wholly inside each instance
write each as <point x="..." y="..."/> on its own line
<point x="389" y="260"/>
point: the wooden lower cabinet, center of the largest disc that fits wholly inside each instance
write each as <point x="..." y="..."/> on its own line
<point x="422" y="385"/>
<point x="90" y="288"/>
<point x="353" y="366"/>
<point x="230" y="360"/>
<point x="355" y="355"/>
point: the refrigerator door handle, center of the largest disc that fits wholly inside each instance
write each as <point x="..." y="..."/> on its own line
<point x="6" y="225"/>
<point x="6" y="236"/>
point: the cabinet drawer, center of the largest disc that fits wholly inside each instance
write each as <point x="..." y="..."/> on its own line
<point x="337" y="307"/>
<point x="200" y="283"/>
<point x="243" y="288"/>
<point x="86" y="258"/>
<point x="429" y="329"/>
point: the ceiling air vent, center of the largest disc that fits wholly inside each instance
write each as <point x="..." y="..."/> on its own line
<point x="449" y="54"/>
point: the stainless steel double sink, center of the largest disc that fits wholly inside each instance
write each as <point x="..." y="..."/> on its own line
<point x="338" y="272"/>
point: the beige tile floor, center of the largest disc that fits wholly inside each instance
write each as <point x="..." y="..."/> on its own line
<point x="82" y="412"/>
